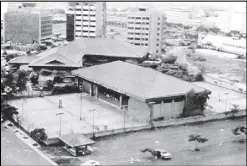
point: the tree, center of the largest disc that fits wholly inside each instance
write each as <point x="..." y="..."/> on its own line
<point x="21" y="80"/>
<point x="195" y="100"/>
<point x="8" y="111"/>
<point x="39" y="135"/>
<point x="197" y="139"/>
<point x="34" y="78"/>
<point x="239" y="130"/>
<point x="234" y="110"/>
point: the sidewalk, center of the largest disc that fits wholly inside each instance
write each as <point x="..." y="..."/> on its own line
<point x="23" y="137"/>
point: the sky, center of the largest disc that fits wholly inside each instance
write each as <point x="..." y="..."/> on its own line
<point x="159" y="4"/>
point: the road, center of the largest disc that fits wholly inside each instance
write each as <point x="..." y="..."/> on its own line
<point x="125" y="149"/>
<point x="16" y="152"/>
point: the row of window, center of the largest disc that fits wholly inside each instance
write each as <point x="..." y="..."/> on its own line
<point x="139" y="18"/>
<point x="86" y="20"/>
<point x="91" y="9"/>
<point x="131" y="33"/>
<point x="92" y="26"/>
<point x="86" y="15"/>
<point x="147" y="23"/>
<point x="85" y="36"/>
<point x="138" y="28"/>
<point x="85" y="31"/>
<point x="140" y="44"/>
<point x="131" y="38"/>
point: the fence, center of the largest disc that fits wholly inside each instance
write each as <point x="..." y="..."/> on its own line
<point x="223" y="83"/>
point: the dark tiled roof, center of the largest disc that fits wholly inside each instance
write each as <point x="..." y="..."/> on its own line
<point x="136" y="81"/>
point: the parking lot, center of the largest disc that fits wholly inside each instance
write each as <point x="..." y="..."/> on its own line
<point x="42" y="112"/>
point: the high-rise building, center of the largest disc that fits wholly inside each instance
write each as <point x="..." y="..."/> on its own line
<point x="145" y="28"/>
<point x="86" y="19"/>
<point x="27" y="26"/>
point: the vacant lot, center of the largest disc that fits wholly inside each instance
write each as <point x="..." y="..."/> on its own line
<point x="225" y="66"/>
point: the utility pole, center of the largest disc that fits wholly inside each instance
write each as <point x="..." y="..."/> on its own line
<point x="60" y="114"/>
<point x="92" y="110"/>
<point x="125" y="109"/>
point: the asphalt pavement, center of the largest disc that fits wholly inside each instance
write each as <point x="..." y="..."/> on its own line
<point x="16" y="152"/>
<point x="125" y="149"/>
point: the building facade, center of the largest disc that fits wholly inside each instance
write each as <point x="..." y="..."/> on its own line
<point x="86" y="19"/>
<point x="27" y="26"/>
<point x="145" y="29"/>
<point x="233" y="19"/>
<point x="178" y="15"/>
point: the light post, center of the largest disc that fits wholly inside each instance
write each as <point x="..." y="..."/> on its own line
<point x="226" y="95"/>
<point x="80" y="105"/>
<point x="125" y="109"/>
<point x="60" y="114"/>
<point x="92" y="110"/>
<point x="221" y="132"/>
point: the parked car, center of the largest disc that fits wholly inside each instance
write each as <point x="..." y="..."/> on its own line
<point x="164" y="154"/>
<point x="91" y="163"/>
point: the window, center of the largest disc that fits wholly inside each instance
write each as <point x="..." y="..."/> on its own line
<point x="130" y="27"/>
<point x="137" y="33"/>
<point x="137" y="38"/>
<point x="157" y="51"/>
<point x="130" y="33"/>
<point x="130" y="38"/>
<point x="138" y="28"/>
<point x="158" y="29"/>
<point x="158" y="23"/>
<point x="158" y="18"/>
<point x="146" y="44"/>
<point x="158" y="34"/>
<point x="138" y="18"/>
<point x="157" y="44"/>
<point x="137" y="44"/>
<point x="138" y="22"/>
<point x="147" y="23"/>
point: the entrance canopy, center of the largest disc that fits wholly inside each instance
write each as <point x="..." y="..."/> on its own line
<point x="76" y="140"/>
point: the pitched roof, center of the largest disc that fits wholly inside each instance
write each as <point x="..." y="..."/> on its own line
<point x="75" y="50"/>
<point x="55" y="59"/>
<point x="76" y="139"/>
<point x="136" y="81"/>
<point x="23" y="60"/>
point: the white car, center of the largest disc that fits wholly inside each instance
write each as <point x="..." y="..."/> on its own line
<point x="164" y="154"/>
<point x="91" y="163"/>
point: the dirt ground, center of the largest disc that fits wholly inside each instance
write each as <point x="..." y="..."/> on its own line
<point x="230" y="68"/>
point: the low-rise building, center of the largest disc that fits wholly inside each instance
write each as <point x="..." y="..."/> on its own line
<point x="142" y="90"/>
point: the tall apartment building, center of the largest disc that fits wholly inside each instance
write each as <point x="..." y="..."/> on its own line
<point x="86" y="19"/>
<point x="145" y="28"/>
<point x="27" y="26"/>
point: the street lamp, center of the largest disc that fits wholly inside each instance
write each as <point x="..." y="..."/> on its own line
<point x="93" y="110"/>
<point x="60" y="114"/>
<point x="125" y="109"/>
<point x="226" y="94"/>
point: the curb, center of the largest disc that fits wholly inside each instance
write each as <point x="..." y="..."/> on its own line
<point x="32" y="147"/>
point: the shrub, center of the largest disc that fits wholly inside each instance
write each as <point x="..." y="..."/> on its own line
<point x="39" y="135"/>
<point x="170" y="59"/>
<point x="45" y="72"/>
<point x="49" y="84"/>
<point x="34" y="79"/>
<point x="198" y="77"/>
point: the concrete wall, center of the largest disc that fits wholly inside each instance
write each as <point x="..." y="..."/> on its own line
<point x="86" y="85"/>
<point x="168" y="110"/>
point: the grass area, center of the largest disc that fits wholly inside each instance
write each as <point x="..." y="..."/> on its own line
<point x="220" y="65"/>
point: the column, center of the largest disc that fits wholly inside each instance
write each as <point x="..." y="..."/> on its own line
<point x="120" y="101"/>
<point x="151" y="114"/>
<point x="96" y="91"/>
<point x="91" y="89"/>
